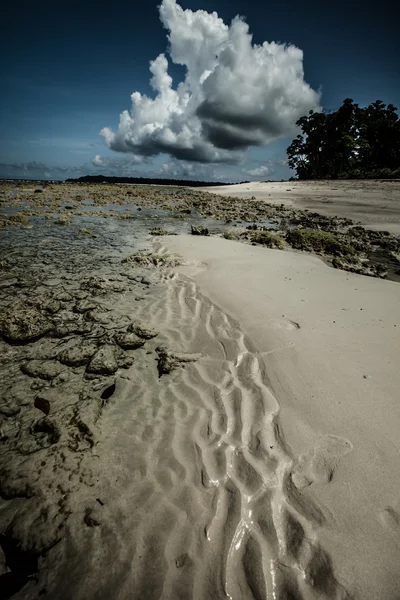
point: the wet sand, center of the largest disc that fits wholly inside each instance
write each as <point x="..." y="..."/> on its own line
<point x="185" y="417"/>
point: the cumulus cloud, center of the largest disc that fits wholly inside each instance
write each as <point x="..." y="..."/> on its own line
<point x="235" y="94"/>
<point x="97" y="161"/>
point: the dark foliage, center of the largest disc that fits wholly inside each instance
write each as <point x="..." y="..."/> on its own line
<point x="350" y="143"/>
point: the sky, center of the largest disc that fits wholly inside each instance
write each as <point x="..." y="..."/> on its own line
<point x="191" y="89"/>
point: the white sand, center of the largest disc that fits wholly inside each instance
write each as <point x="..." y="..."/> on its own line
<point x="376" y="204"/>
<point x="337" y="374"/>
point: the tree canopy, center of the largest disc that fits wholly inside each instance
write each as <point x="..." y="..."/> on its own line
<point x="351" y="142"/>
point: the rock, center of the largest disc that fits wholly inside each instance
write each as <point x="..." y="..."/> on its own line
<point x="52" y="306"/>
<point x="63" y="220"/>
<point x="42" y="404"/>
<point x="150" y="260"/>
<point x="18" y="219"/>
<point x="89" y="518"/>
<point x="125" y="362"/>
<point x="64" y="329"/>
<point x="63" y="297"/>
<point x="199" y="230"/>
<point x="77" y="355"/>
<point x="10" y="429"/>
<point x="104" y="362"/>
<point x="161" y="231"/>
<point x="168" y="361"/>
<point x="143" y="331"/>
<point x="84" y="306"/>
<point x="129" y="341"/>
<point x="44" y="369"/>
<point x="23" y="323"/>
<point x="9" y="411"/>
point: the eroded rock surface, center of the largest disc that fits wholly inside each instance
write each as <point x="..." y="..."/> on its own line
<point x="104" y="362"/>
<point x="21" y="323"/>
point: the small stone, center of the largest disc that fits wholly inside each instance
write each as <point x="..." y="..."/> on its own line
<point x="9" y="411"/>
<point x="168" y="361"/>
<point x="199" y="230"/>
<point x="181" y="560"/>
<point x="143" y="331"/>
<point x="104" y="361"/>
<point x="129" y="341"/>
<point x="77" y="355"/>
<point x="42" y="404"/>
<point x="44" y="369"/>
<point x="63" y="297"/>
<point x="84" y="306"/>
<point x="125" y="362"/>
<point x="89" y="518"/>
<point x="52" y="307"/>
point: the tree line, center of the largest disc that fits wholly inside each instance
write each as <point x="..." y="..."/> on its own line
<point x="144" y="181"/>
<point x="349" y="143"/>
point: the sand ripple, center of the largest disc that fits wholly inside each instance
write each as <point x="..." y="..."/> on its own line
<point x="205" y="499"/>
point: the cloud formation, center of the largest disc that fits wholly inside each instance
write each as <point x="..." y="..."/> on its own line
<point x="235" y="93"/>
<point x="115" y="163"/>
<point x="189" y="170"/>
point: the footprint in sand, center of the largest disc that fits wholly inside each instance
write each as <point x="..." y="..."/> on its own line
<point x="318" y="464"/>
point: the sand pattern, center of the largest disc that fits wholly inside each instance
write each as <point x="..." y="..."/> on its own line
<point x="144" y="457"/>
<point x="203" y="500"/>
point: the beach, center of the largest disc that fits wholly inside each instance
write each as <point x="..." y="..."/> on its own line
<point x="328" y="342"/>
<point x="190" y="416"/>
<point x="374" y="203"/>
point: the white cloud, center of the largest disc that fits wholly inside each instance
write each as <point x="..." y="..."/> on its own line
<point x="235" y="94"/>
<point x="258" y="171"/>
<point x="116" y="163"/>
<point x="97" y="161"/>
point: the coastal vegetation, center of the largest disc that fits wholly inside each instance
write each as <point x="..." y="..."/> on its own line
<point x="352" y="142"/>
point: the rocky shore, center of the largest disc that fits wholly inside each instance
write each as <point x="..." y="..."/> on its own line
<point x="343" y="243"/>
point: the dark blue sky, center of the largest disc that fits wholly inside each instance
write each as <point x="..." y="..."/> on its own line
<point x="68" y="71"/>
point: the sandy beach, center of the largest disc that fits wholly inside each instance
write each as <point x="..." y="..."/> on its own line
<point x="187" y="416"/>
<point x="328" y="342"/>
<point x="375" y="204"/>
